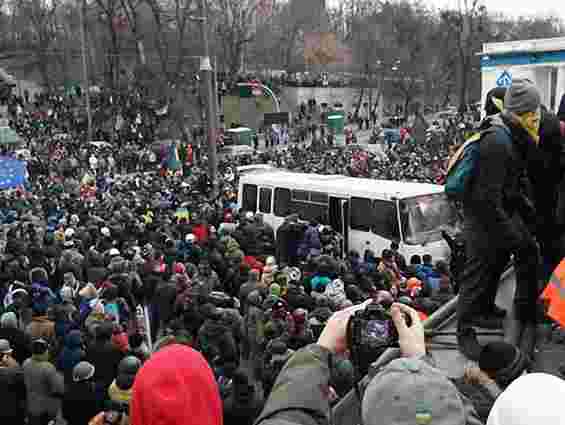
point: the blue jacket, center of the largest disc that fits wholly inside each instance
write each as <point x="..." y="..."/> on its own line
<point x="71" y="354"/>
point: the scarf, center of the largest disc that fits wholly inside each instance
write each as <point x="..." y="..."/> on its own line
<point x="529" y="121"/>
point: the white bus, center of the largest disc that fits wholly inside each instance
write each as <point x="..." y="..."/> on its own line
<point x="370" y="214"/>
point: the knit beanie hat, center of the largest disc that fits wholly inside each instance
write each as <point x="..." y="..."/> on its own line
<point x="522" y="96"/>
<point x="496" y="355"/>
<point x="9" y="320"/>
<point x="503" y="362"/>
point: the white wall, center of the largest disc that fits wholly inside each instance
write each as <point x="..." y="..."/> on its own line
<point x="296" y="95"/>
<point x="539" y="74"/>
<point x="348" y="96"/>
<point x="560" y="88"/>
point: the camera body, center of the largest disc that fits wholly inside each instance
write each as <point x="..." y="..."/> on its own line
<point x="369" y="333"/>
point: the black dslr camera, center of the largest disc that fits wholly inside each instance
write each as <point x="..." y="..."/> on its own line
<point x="369" y="333"/>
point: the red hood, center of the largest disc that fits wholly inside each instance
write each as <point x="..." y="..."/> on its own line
<point x="176" y="387"/>
<point x="201" y="232"/>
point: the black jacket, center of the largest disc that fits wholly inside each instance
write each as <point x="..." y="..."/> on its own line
<point x="481" y="397"/>
<point x="12" y="394"/>
<point x="80" y="403"/>
<point x="546" y="169"/>
<point x="498" y="209"/>
<point x="105" y="358"/>
<point x="216" y="341"/>
<point x="164" y="300"/>
<point x="242" y="407"/>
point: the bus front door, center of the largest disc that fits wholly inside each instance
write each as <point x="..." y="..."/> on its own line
<point x="339" y="220"/>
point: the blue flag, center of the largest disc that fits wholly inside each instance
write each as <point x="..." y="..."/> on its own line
<point x="13" y="173"/>
<point x="173" y="160"/>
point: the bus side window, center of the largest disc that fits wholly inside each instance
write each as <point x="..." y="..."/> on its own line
<point x="249" y="201"/>
<point x="265" y="200"/>
<point x="282" y="202"/>
<point x="385" y="223"/>
<point x="362" y="217"/>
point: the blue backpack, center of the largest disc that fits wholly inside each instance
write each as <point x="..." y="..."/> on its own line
<point x="463" y="164"/>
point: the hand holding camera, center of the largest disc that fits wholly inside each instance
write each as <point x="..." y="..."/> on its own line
<point x="397" y="325"/>
<point x="333" y="336"/>
<point x="410" y="336"/>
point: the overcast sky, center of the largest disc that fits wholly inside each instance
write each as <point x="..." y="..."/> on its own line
<point x="514" y="7"/>
<point x="508" y="7"/>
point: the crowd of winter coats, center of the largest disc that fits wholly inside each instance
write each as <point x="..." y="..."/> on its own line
<point x="91" y="289"/>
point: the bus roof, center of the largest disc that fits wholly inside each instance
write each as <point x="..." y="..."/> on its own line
<point x="341" y="185"/>
<point x="238" y="130"/>
<point x="254" y="167"/>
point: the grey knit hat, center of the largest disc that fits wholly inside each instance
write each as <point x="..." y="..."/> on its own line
<point x="9" y="320"/>
<point x="522" y="96"/>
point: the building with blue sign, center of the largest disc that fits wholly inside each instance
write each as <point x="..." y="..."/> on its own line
<point x="541" y="60"/>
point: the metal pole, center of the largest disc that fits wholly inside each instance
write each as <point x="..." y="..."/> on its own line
<point x="207" y="76"/>
<point x="216" y="93"/>
<point x="82" y="9"/>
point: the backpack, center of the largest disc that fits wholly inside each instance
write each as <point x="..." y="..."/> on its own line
<point x="463" y="164"/>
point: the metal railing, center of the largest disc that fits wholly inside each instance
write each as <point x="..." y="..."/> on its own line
<point x="347" y="411"/>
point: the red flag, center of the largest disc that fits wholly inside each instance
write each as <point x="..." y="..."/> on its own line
<point x="189" y="154"/>
<point x="120" y="23"/>
<point x="265" y="7"/>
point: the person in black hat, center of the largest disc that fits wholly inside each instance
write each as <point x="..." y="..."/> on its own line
<point x="12" y="387"/>
<point x="243" y="405"/>
<point x="499" y="365"/>
<point x="494" y="104"/>
<point x="503" y="362"/>
<point x="120" y="390"/>
<point x="494" y="101"/>
<point x="81" y="403"/>
<point x="104" y="356"/>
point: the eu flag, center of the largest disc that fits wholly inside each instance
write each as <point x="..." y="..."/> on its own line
<point x="12" y="172"/>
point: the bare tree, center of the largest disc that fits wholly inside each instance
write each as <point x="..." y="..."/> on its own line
<point x="110" y="17"/>
<point x="130" y="9"/>
<point x="39" y="34"/>
<point x="466" y="28"/>
<point x="235" y="29"/>
<point x="172" y="29"/>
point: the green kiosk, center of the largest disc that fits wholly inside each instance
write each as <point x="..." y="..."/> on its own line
<point x="336" y="124"/>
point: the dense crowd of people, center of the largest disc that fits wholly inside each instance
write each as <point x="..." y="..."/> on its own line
<point x="82" y="273"/>
<point x="106" y="261"/>
<point x="131" y="296"/>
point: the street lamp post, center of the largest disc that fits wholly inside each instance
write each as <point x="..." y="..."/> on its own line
<point x="82" y="7"/>
<point x="207" y="78"/>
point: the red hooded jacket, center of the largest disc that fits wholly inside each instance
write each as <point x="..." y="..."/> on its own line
<point x="201" y="232"/>
<point x="176" y="387"/>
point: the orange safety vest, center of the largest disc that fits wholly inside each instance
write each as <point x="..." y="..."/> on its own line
<point x="554" y="294"/>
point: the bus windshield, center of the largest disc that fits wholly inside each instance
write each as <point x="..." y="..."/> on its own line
<point x="425" y="217"/>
